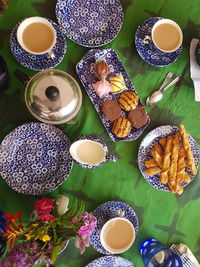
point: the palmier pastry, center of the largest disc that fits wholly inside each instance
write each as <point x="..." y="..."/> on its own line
<point x="121" y="127"/>
<point x="128" y="101"/>
<point x="117" y="83"/>
<point x="111" y="110"/>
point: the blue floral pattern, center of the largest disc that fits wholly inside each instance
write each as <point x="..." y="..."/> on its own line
<point x="111" y="261"/>
<point x="106" y="212"/>
<point x="35" y="159"/>
<point x="149" y="52"/>
<point x="90" y="23"/>
<point x="85" y="72"/>
<point x="146" y="146"/>
<point x="39" y="62"/>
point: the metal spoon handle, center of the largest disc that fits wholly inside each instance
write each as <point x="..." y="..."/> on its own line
<point x="167" y="78"/>
<point x="172" y="83"/>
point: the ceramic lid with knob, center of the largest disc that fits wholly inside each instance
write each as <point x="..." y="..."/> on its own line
<point x="53" y="96"/>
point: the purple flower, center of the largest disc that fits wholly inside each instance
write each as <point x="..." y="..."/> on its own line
<point x="85" y="231"/>
<point x="26" y="254"/>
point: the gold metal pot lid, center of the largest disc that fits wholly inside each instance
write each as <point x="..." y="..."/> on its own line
<point x="53" y="96"/>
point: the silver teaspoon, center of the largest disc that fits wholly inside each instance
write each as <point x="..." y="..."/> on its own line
<point x="167" y="78"/>
<point x="158" y="95"/>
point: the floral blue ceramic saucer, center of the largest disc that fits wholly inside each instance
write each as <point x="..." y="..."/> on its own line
<point x="146" y="146"/>
<point x="39" y="62"/>
<point x="35" y="159"/>
<point x="90" y="23"/>
<point x="106" y="212"/>
<point x="148" y="52"/>
<point x="111" y="261"/>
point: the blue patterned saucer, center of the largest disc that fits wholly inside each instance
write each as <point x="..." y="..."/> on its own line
<point x="39" y="62"/>
<point x="35" y="159"/>
<point x="111" y="261"/>
<point x="90" y="23"/>
<point x="106" y="212"/>
<point x="146" y="146"/>
<point x="148" y="52"/>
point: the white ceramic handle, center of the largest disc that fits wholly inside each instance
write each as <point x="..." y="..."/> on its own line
<point x="147" y="39"/>
<point x="51" y="55"/>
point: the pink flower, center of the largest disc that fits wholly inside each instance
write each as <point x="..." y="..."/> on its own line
<point x="85" y="231"/>
<point x="74" y="219"/>
<point x="81" y="244"/>
<point x="44" y="205"/>
<point x="47" y="217"/>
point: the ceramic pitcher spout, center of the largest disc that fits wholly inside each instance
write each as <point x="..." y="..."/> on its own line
<point x="110" y="157"/>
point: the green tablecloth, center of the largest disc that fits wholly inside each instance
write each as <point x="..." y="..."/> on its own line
<point x="165" y="216"/>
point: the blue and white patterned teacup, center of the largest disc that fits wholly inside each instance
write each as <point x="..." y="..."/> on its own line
<point x="166" y="35"/>
<point x="89" y="151"/>
<point x="44" y="46"/>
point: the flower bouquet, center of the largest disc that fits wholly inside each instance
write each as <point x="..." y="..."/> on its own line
<point x="42" y="239"/>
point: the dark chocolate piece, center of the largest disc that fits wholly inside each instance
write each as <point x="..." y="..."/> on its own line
<point x="138" y="117"/>
<point x="111" y="110"/>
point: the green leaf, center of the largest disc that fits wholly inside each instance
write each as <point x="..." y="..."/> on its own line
<point x="80" y="210"/>
<point x="55" y="252"/>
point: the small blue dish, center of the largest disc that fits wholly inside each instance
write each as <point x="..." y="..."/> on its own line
<point x="90" y="23"/>
<point x="105" y="212"/>
<point x="111" y="261"/>
<point x="148" y="52"/>
<point x="144" y="153"/>
<point x="35" y="159"/>
<point x="39" y="62"/>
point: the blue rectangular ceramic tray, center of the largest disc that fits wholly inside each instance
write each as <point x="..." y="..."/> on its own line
<point x="85" y="72"/>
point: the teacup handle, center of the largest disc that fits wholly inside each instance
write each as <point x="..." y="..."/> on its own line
<point x="51" y="54"/>
<point x="147" y="39"/>
<point x="121" y="213"/>
<point x="110" y="157"/>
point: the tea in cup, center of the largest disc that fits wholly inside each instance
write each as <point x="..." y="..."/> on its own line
<point x="89" y="152"/>
<point x="37" y="36"/>
<point x="166" y="35"/>
<point x="117" y="235"/>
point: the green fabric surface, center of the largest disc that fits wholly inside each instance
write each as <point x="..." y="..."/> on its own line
<point x="164" y="216"/>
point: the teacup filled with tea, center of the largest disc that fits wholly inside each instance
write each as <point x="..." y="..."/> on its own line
<point x="117" y="235"/>
<point x="166" y="35"/>
<point x="37" y="36"/>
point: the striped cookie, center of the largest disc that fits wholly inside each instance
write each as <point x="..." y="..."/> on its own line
<point x="121" y="127"/>
<point x="128" y="101"/>
<point x="117" y="84"/>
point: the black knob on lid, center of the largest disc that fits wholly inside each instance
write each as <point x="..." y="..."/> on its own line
<point x="52" y="93"/>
